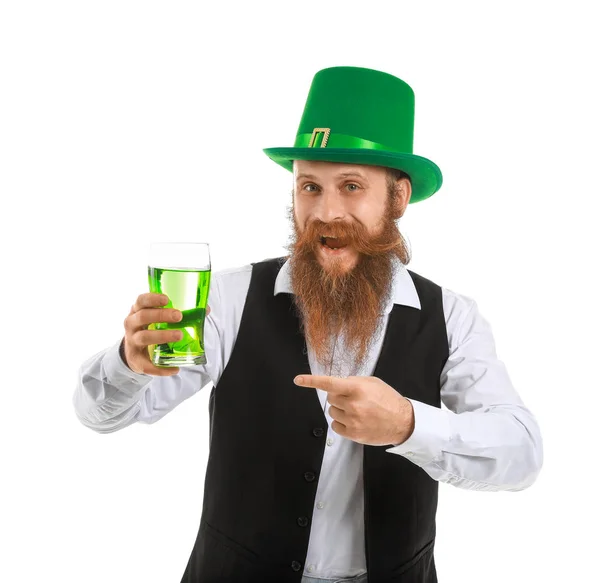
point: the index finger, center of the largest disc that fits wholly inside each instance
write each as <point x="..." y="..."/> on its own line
<point x="149" y="300"/>
<point x="334" y="385"/>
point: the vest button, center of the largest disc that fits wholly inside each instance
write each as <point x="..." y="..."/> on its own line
<point x="318" y="432"/>
<point x="296" y="566"/>
<point x="303" y="521"/>
<point x="309" y="476"/>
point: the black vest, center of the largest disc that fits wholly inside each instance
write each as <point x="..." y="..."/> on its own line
<point x="267" y="439"/>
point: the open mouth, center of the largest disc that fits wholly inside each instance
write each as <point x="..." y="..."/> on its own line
<point x="333" y="243"/>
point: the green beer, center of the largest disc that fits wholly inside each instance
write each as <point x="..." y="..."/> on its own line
<point x="187" y="291"/>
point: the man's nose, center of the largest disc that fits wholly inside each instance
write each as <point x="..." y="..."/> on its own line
<point x="330" y="207"/>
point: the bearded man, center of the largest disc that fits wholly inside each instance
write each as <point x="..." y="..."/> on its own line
<point x="296" y="491"/>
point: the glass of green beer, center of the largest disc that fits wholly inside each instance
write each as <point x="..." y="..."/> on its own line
<point x="181" y="271"/>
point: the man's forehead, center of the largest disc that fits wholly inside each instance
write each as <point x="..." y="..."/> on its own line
<point x="315" y="168"/>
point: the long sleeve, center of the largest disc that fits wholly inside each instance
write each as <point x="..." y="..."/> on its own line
<point x="110" y="396"/>
<point x="486" y="439"/>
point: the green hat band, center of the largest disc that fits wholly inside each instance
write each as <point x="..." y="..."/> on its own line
<point x="323" y="139"/>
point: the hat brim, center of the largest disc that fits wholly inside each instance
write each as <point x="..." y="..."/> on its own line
<point x="425" y="176"/>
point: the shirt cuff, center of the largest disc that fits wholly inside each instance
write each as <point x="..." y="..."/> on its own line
<point x="120" y="375"/>
<point x="431" y="434"/>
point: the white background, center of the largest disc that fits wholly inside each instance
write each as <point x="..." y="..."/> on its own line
<point x="125" y="122"/>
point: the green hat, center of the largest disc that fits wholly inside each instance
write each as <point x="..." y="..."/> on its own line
<point x="361" y="116"/>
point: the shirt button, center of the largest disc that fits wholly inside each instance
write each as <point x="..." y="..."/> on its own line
<point x="409" y="453"/>
<point x="296" y="566"/>
<point x="318" y="432"/>
<point x="310" y="568"/>
<point x="303" y="521"/>
<point x="330" y="441"/>
<point x="309" y="476"/>
<point x="320" y="505"/>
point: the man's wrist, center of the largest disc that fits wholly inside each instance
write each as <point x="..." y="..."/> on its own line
<point x="407" y="425"/>
<point x="122" y="352"/>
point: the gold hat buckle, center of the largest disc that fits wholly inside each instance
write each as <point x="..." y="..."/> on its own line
<point x="316" y="132"/>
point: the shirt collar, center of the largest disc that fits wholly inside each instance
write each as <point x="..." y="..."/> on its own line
<point x="403" y="287"/>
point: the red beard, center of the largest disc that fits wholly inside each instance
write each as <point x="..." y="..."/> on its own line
<point x="331" y="301"/>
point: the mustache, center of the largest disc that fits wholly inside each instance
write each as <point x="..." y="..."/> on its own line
<point x="353" y="233"/>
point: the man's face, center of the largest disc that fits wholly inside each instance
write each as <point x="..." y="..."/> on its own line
<point x="337" y="195"/>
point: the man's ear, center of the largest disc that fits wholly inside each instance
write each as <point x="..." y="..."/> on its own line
<point x="402" y="197"/>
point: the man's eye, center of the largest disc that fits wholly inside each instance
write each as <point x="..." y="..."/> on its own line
<point x="311" y="187"/>
<point x="352" y="187"/>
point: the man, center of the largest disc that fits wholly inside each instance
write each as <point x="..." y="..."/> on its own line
<point x="295" y="490"/>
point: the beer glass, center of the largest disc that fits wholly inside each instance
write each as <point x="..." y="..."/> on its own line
<point x="181" y="271"/>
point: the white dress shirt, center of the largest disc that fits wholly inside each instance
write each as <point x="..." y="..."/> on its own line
<point x="486" y="439"/>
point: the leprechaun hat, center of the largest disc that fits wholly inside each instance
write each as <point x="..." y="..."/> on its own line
<point x="361" y="116"/>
